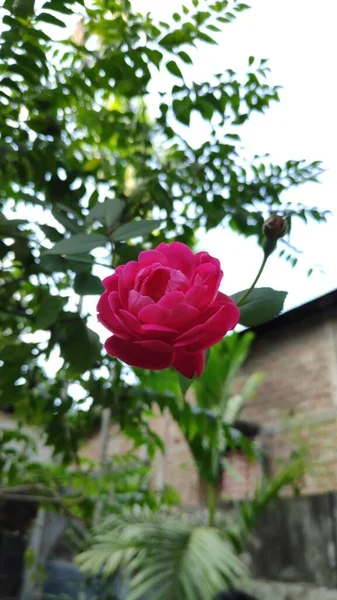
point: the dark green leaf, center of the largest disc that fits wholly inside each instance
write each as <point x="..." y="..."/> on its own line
<point x="78" y="244"/>
<point x="51" y="233"/>
<point x="185" y="57"/>
<point x="80" y="263"/>
<point x="182" y="109"/>
<point x="261" y="305"/>
<point x="81" y="346"/>
<point x="86" y="283"/>
<point x="135" y="229"/>
<point x="206" y="38"/>
<point x="48" y="18"/>
<point x="184" y="383"/>
<point x="53" y="264"/>
<point x="69" y="224"/>
<point x="58" y="6"/>
<point x="113" y="210"/>
<point x="173" y="68"/>
<point x="49" y="311"/>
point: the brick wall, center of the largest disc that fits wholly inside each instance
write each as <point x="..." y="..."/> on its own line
<point x="296" y="405"/>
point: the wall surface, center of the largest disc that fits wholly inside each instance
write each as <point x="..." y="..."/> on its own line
<point x="296" y="406"/>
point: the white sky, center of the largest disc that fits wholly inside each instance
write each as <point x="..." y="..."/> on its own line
<point x="299" y="39"/>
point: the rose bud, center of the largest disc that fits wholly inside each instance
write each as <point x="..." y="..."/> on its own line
<point x="275" y="228"/>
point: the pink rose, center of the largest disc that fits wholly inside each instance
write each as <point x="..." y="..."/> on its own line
<point x="166" y="309"/>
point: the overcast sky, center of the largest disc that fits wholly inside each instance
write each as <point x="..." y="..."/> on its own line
<point x="299" y="39"/>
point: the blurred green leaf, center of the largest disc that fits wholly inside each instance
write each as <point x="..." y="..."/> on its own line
<point x="86" y="284"/>
<point x="135" y="229"/>
<point x="50" y="19"/>
<point x="78" y="244"/>
<point x="81" y="346"/>
<point x="173" y="68"/>
<point x="50" y="308"/>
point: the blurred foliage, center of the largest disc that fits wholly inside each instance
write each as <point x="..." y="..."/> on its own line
<point x="209" y="416"/>
<point x="75" y="490"/>
<point x="90" y="175"/>
<point x="166" y="557"/>
<point x="163" y="557"/>
<point x="85" y="164"/>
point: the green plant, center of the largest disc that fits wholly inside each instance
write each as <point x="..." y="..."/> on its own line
<point x="163" y="557"/>
<point x="88" y="178"/>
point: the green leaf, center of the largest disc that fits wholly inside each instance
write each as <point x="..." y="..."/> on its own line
<point x="49" y="310"/>
<point x="135" y="229"/>
<point x="53" y="264"/>
<point x="107" y="212"/>
<point x="262" y="304"/>
<point x="58" y="7"/>
<point x="112" y="210"/>
<point x="184" y="384"/>
<point x="173" y="68"/>
<point x="206" y="38"/>
<point x="69" y="224"/>
<point x="81" y="346"/>
<point x="47" y="18"/>
<point x="87" y="284"/>
<point x="78" y="244"/>
<point x="182" y="109"/>
<point x="51" y="233"/>
<point x="185" y="57"/>
<point x="79" y="263"/>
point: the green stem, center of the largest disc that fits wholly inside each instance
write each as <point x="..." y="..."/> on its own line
<point x="259" y="273"/>
<point x="211" y="502"/>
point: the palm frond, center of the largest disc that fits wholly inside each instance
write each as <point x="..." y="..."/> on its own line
<point x="268" y="490"/>
<point x="235" y="404"/>
<point x="224" y="363"/>
<point x="163" y="557"/>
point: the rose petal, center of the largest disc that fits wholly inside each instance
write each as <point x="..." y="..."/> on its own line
<point x="114" y="301"/>
<point x="115" y="327"/>
<point x="221" y="297"/>
<point x="127" y="280"/>
<point x="131" y="322"/>
<point x="110" y="319"/>
<point x="154" y="283"/>
<point x="209" y="275"/>
<point x="204" y="257"/>
<point x="137" y="301"/>
<point x="179" y="257"/>
<point x="155" y="329"/>
<point x="207" y="334"/>
<point x="111" y="282"/>
<point x="177" y="281"/>
<point x="154" y="314"/>
<point x="195" y="295"/>
<point x="189" y="365"/>
<point x="155" y="355"/>
<point x="181" y="315"/>
<point x="147" y="257"/>
<point x="171" y="299"/>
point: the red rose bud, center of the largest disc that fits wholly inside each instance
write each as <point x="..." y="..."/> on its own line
<point x="275" y="228"/>
<point x="165" y="309"/>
